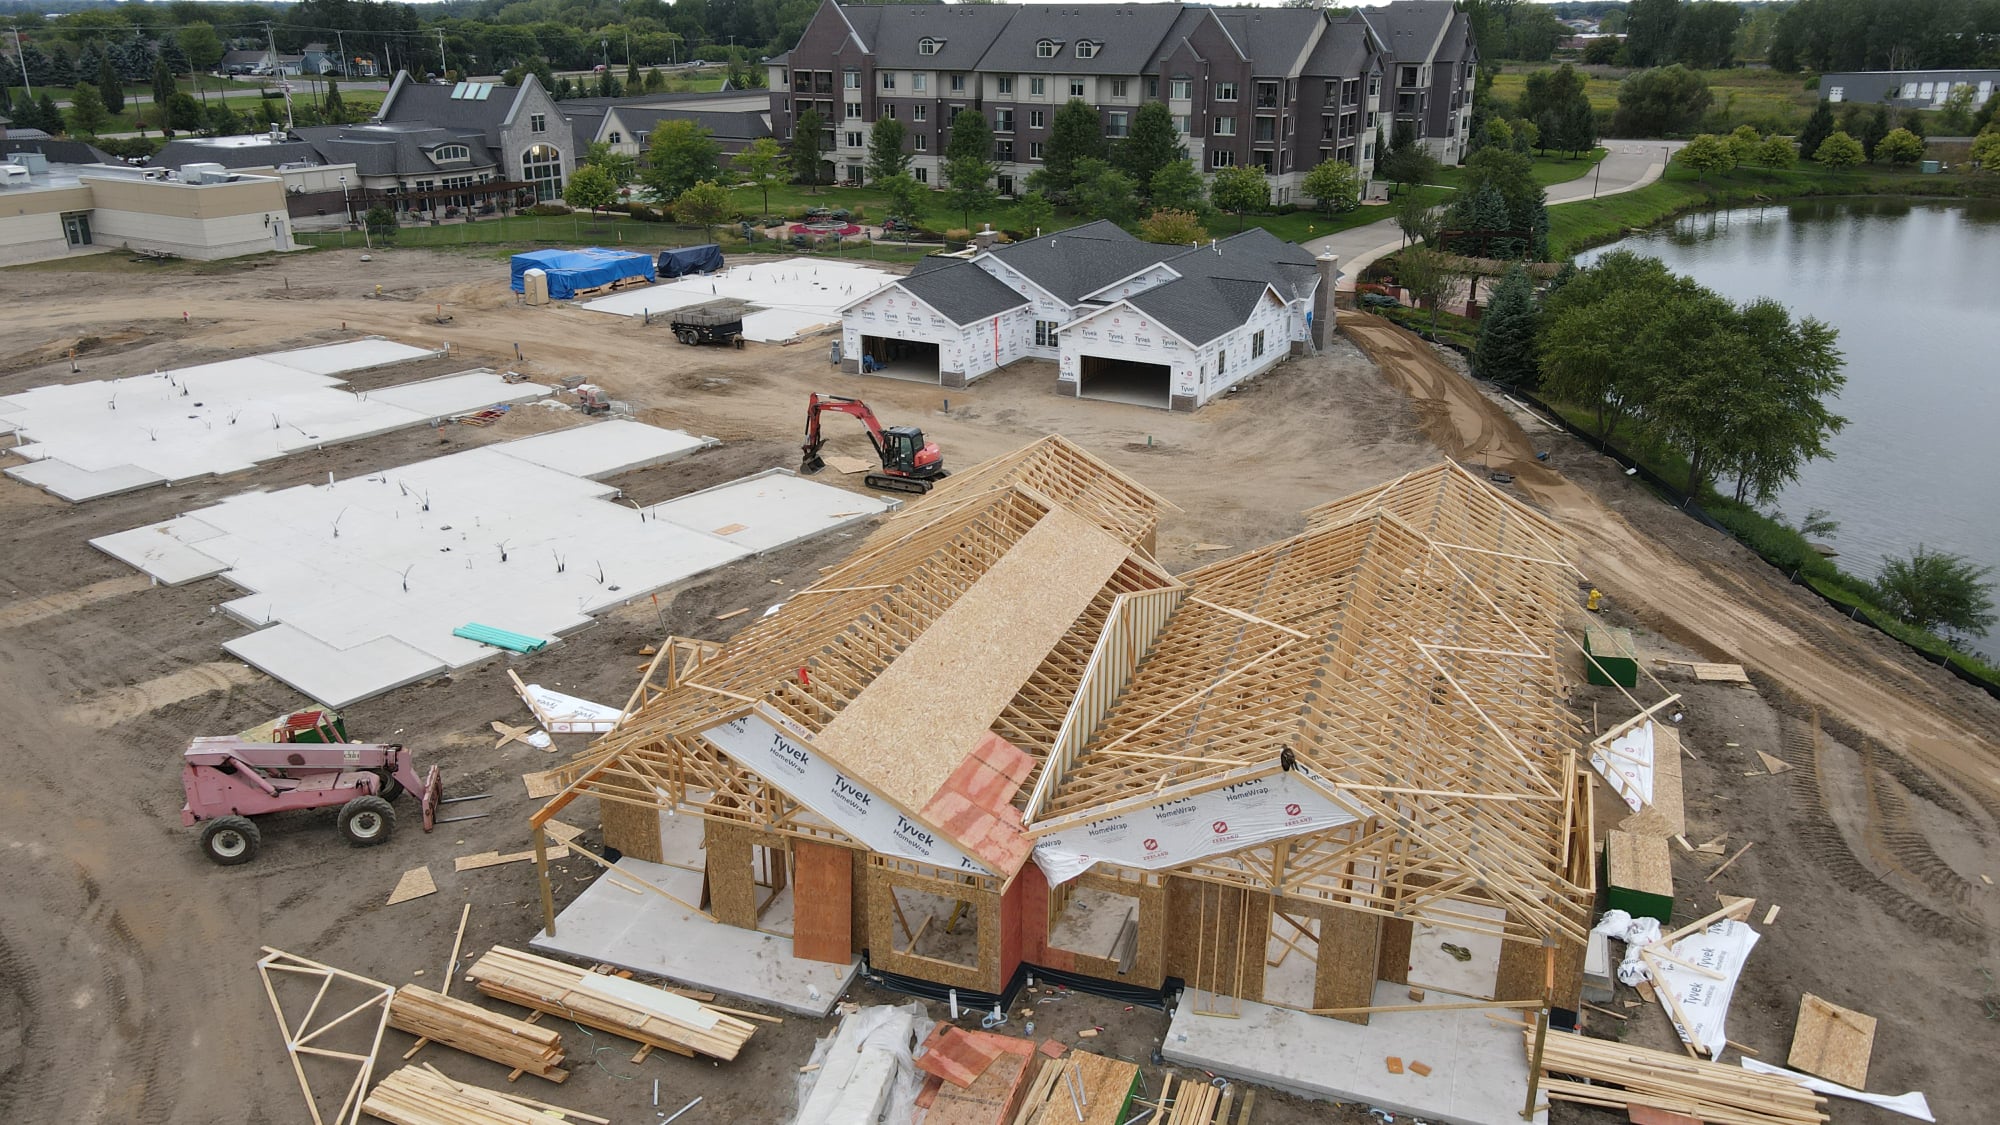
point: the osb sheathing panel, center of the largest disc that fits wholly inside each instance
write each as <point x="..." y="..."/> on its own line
<point x="1212" y="933"/>
<point x="1148" y="961"/>
<point x="912" y="726"/>
<point x="823" y="902"/>
<point x="1393" y="962"/>
<point x="1524" y="969"/>
<point x="732" y="886"/>
<point x="631" y="829"/>
<point x="1569" y="973"/>
<point x="1350" y="948"/>
<point x="886" y="939"/>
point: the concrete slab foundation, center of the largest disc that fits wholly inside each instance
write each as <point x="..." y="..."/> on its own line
<point x="110" y="436"/>
<point x="794" y="296"/>
<point x="1479" y="1070"/>
<point x="356" y="586"/>
<point x="648" y="933"/>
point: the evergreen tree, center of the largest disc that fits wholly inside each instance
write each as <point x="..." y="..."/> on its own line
<point x="62" y="70"/>
<point x="1075" y="134"/>
<point x="1506" y="351"/>
<point x="110" y="86"/>
<point x="886" y="158"/>
<point x="334" y="106"/>
<point x="164" y="86"/>
<point x="86" y="110"/>
<point x="1817" y="129"/>
<point x="1152" y="144"/>
<point x="48" y="118"/>
<point x="607" y="87"/>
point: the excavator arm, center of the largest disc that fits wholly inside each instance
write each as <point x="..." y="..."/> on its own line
<point x="815" y="441"/>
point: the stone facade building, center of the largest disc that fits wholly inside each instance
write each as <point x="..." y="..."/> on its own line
<point x="1283" y="89"/>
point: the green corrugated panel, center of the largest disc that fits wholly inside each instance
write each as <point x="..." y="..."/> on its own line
<point x="499" y="638"/>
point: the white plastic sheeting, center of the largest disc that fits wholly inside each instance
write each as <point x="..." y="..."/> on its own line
<point x="866" y="1073"/>
<point x="1627" y="763"/>
<point x="1912" y="1104"/>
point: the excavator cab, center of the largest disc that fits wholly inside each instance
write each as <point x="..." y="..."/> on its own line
<point x="902" y="446"/>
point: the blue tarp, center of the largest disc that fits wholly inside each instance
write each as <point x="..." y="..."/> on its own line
<point x="692" y="259"/>
<point x="573" y="270"/>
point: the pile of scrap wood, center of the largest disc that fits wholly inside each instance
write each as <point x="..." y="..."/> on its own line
<point x="639" y="1012"/>
<point x="1082" y="1088"/>
<point x="527" y="1048"/>
<point x="973" y="1077"/>
<point x="1199" y="1103"/>
<point x="1602" y="1073"/>
<point x="422" y="1096"/>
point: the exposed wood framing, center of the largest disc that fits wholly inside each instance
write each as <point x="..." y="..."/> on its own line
<point x="305" y="1031"/>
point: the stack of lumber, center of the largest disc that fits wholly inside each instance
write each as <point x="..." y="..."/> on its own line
<point x="999" y="1069"/>
<point x="639" y="1012"/>
<point x="422" y="1096"/>
<point x="527" y="1048"/>
<point x="1602" y="1073"/>
<point x="1199" y="1103"/>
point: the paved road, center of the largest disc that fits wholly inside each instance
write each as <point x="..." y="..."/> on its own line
<point x="1629" y="165"/>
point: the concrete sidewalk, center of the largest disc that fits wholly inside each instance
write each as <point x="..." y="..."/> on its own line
<point x="1627" y="166"/>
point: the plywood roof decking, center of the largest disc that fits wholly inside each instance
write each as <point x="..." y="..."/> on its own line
<point x="909" y="729"/>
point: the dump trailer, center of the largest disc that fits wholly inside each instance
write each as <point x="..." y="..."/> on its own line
<point x="710" y="324"/>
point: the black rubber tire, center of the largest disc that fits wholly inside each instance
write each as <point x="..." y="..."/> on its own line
<point x="230" y="840"/>
<point x="367" y="821"/>
<point x="392" y="790"/>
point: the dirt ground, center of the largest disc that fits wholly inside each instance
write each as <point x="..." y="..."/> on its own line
<point x="126" y="960"/>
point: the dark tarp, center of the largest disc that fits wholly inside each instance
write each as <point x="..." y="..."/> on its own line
<point x="691" y="259"/>
<point x="571" y="271"/>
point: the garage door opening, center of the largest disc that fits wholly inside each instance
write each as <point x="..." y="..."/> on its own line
<point x="910" y="360"/>
<point x="1124" y="380"/>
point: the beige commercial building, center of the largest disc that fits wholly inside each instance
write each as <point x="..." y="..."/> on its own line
<point x="53" y="213"/>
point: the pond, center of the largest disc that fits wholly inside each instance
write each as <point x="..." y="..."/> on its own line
<point x="1914" y="289"/>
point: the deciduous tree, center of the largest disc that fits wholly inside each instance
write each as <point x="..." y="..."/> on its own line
<point x="1335" y="185"/>
<point x="1151" y="143"/>
<point x="86" y="110"/>
<point x="1034" y="213"/>
<point x="1660" y="102"/>
<point x="886" y="158"/>
<point x="621" y="167"/>
<point x="1839" y="151"/>
<point x="1240" y="189"/>
<point x="1429" y="275"/>
<point x="1104" y="192"/>
<point x="969" y="185"/>
<point x="680" y="155"/>
<point x="1901" y="146"/>
<point x="762" y="162"/>
<point x="706" y="203"/>
<point x="1986" y="152"/>
<point x="1173" y="227"/>
<point x="1178" y="187"/>
<point x="907" y="197"/>
<point x="590" y="188"/>
<point x="1776" y="152"/>
<point x="808" y="142"/>
<point x="1706" y="155"/>
<point x="1936" y="588"/>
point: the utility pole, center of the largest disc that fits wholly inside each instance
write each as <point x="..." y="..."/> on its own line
<point x="284" y="87"/>
<point x="341" y="40"/>
<point x="23" y="60"/>
<point x="442" y="65"/>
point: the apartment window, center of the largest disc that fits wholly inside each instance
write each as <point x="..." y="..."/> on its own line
<point x="958" y="83"/>
<point x="851" y="80"/>
<point x="1118" y="87"/>
<point x="1076" y="87"/>
<point x="853" y="111"/>
<point x="920" y="81"/>
<point x="823" y="82"/>
<point x="919" y="112"/>
<point x="922" y="174"/>
<point x="1225" y="91"/>
<point x="1407" y="104"/>
<point x="927" y="46"/>
<point x="1374" y="86"/>
<point x="1152" y="87"/>
<point x="1266" y="129"/>
<point x="1267" y="95"/>
<point x="1180" y="89"/>
<point x="1350" y="91"/>
<point x="1085" y="49"/>
<point x="1046" y="49"/>
<point x="1181" y="123"/>
<point x="1329" y="128"/>
<point x="1117" y="126"/>
<point x="1036" y="119"/>
<point x="923" y="142"/>
<point x="1222" y="360"/>
<point x="1045" y="333"/>
<point x="802" y="82"/>
<point x="446" y="153"/>
<point x="1406" y="76"/>
<point x="1034" y="150"/>
<point x="1256" y="345"/>
<point x="1005" y="84"/>
<point x="889" y="110"/>
<point x="616" y="138"/>
<point x="853" y="139"/>
<point x="1225" y="127"/>
<point x="538" y="123"/>
<point x="1003" y="152"/>
<point x="888" y="80"/>
<point x="1221" y="158"/>
<point x="1003" y="120"/>
<point x="1039" y="87"/>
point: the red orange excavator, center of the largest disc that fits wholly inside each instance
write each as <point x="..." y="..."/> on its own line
<point x="909" y="463"/>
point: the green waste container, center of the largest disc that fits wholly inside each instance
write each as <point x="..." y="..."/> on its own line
<point x="1616" y="657"/>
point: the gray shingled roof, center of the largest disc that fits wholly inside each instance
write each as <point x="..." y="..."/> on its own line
<point x="1081" y="260"/>
<point x="1220" y="285"/>
<point x="1342" y="50"/>
<point x="1409" y="27"/>
<point x="396" y="150"/>
<point x="966" y="32"/>
<point x="176" y="153"/>
<point x="1274" y="38"/>
<point x="1184" y="25"/>
<point x="721" y="126"/>
<point x="58" y="152"/>
<point x="963" y="292"/>
<point x="1128" y="35"/>
<point x="423" y="103"/>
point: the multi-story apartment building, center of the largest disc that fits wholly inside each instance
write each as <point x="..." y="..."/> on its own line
<point x="1279" y="88"/>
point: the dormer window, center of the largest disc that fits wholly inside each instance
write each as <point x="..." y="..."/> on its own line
<point x="1085" y="49"/>
<point x="928" y="45"/>
<point x="1046" y="49"/>
<point x="445" y="154"/>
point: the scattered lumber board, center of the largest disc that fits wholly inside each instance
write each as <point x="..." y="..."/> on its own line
<point x="1602" y="1073"/>
<point x="415" y="883"/>
<point x="1710" y="673"/>
<point x="1832" y="1042"/>
<point x="422" y="1096"/>
<point x="524" y="1047"/>
<point x="650" y="1016"/>
<point x="1102" y="1087"/>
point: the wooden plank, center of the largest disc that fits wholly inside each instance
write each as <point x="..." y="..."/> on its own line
<point x="1832" y="1042"/>
<point x="822" y="902"/>
<point x="415" y="883"/>
<point x="911" y="727"/>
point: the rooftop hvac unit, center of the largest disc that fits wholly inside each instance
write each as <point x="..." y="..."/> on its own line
<point x="204" y="174"/>
<point x="13" y="175"/>
<point x="34" y="162"/>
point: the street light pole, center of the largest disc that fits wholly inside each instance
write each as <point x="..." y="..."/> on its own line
<point x="23" y="60"/>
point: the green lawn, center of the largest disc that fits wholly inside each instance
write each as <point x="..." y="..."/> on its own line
<point x="519" y="232"/>
<point x="1767" y="99"/>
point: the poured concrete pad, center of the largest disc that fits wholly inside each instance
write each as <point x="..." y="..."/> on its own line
<point x="101" y="438"/>
<point x="773" y="509"/>
<point x="1479" y="1069"/>
<point x="648" y="933"/>
<point x="339" y="676"/>
<point x="793" y="296"/>
<point x="606" y="448"/>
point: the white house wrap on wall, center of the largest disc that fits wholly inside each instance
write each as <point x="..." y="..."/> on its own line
<point x="1123" y="319"/>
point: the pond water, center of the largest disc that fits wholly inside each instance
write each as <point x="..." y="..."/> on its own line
<point x="1914" y="289"/>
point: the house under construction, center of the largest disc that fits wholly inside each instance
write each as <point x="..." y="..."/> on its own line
<point x="1002" y="735"/>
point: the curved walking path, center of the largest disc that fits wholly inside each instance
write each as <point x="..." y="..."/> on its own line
<point x="1627" y="166"/>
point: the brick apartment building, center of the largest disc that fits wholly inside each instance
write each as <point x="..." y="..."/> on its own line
<point x="1279" y="88"/>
